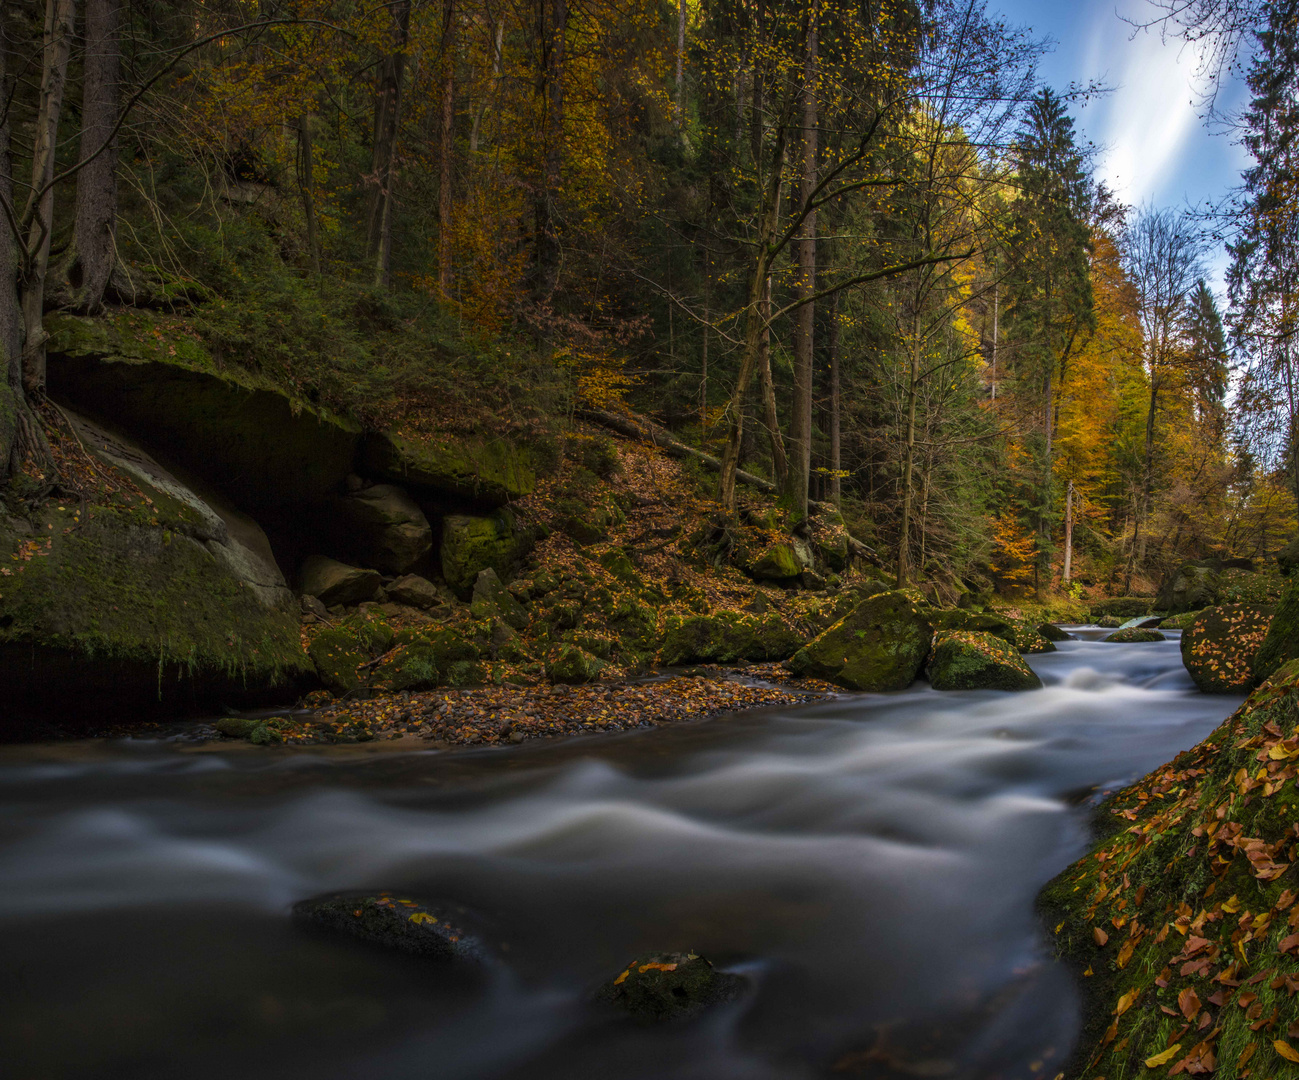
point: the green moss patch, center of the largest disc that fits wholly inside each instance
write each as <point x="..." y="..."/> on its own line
<point x="1219" y="646"/>
<point x="967" y="660"/>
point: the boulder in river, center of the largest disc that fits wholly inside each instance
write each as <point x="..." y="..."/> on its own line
<point x="982" y="622"/>
<point x="384" y="528"/>
<point x="1028" y="640"/>
<point x="669" y="986"/>
<point x="880" y="645"/>
<point x="436" y="931"/>
<point x="1108" y="622"/>
<point x="1281" y="643"/>
<point x="968" y="660"/>
<point x="1219" y="647"/>
<point x="333" y="582"/>
<point x="1053" y="633"/>
<point x="1131" y="635"/>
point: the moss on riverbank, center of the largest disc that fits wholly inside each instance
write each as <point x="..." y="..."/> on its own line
<point x="1183" y="920"/>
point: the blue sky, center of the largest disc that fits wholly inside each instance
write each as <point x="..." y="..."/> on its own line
<point x="1153" y="145"/>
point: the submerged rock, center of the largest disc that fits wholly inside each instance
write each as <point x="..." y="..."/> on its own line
<point x="669" y="986"/>
<point x="1219" y="647"/>
<point x="880" y="645"/>
<point x="435" y="931"/>
<point x="1130" y="635"/>
<point x="967" y="660"/>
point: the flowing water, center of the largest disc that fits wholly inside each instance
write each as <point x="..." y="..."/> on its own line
<point x="870" y="863"/>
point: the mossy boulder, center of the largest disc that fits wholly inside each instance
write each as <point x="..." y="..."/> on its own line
<point x="726" y="637"/>
<point x="1288" y="557"/>
<point x="1281" y="643"/>
<point x="1108" y="622"/>
<point x="432" y="931"/>
<point x="139" y="606"/>
<point x="880" y="645"/>
<point x="487" y="470"/>
<point x="455" y="657"/>
<point x="669" y="986"/>
<point x="619" y="564"/>
<point x="414" y="591"/>
<point x="1131" y="635"/>
<point x="1053" y="633"/>
<point x="778" y="562"/>
<point x="1179" y="622"/>
<point x="974" y="621"/>
<point x="337" y="653"/>
<point x="573" y="664"/>
<point x="492" y="600"/>
<point x="969" y="660"/>
<point x="1219" y="647"/>
<point x="411" y="665"/>
<point x="471" y="544"/>
<point x="1192" y="586"/>
<point x="1185" y="910"/>
<point x="1027" y="640"/>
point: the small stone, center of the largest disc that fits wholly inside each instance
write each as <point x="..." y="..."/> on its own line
<point x="669" y="986"/>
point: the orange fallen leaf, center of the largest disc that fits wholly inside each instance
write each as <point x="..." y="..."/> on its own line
<point x="1099" y="935"/>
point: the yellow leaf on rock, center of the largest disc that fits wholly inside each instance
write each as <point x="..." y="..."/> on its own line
<point x="422" y="917"/>
<point x="1164" y="1058"/>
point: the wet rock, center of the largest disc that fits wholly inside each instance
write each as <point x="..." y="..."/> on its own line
<point x="669" y="986"/>
<point x="1108" y="622"/>
<point x="471" y="544"/>
<point x="1179" y="622"/>
<point x="384" y="528"/>
<point x="237" y="727"/>
<point x="573" y="664"/>
<point x="333" y="582"/>
<point x="415" y="591"/>
<point x="1220" y="646"/>
<point x="1130" y="635"/>
<point x="975" y="621"/>
<point x="435" y="931"/>
<point x="1053" y="633"/>
<point x="1123" y="607"/>
<point x="492" y="599"/>
<point x="880" y="645"/>
<point x="968" y="660"/>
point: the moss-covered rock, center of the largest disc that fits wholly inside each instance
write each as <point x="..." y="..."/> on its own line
<point x="975" y="621"/>
<point x="1281" y="643"/>
<point x="726" y="637"/>
<point x="1179" y="622"/>
<point x="968" y="660"/>
<point x="1192" y="586"/>
<point x="433" y="931"/>
<point x="1053" y="633"/>
<point x="669" y="986"/>
<point x="1108" y="622"/>
<point x="619" y="564"/>
<point x="1184" y="917"/>
<point x="1288" y="557"/>
<point x="573" y="664"/>
<point x="492" y="600"/>
<point x="337" y="653"/>
<point x="471" y="544"/>
<point x="146" y="605"/>
<point x="1027" y="639"/>
<point x="411" y="665"/>
<point x="779" y="562"/>
<point x="880" y="645"/>
<point x="1131" y="635"/>
<point x="1219" y="647"/>
<point x="492" y="471"/>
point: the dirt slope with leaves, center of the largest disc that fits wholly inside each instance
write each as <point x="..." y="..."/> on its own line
<point x="1184" y="921"/>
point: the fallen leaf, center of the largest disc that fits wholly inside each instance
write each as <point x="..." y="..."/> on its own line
<point x="1189" y="1002"/>
<point x="1285" y="1050"/>
<point x="1164" y="1058"/>
<point x="1099" y="935"/>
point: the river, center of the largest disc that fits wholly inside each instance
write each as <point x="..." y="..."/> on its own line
<point x="870" y="862"/>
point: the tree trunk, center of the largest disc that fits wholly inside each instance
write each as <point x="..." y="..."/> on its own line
<point x="387" y="121"/>
<point x="553" y="27"/>
<point x="681" y="64"/>
<point x="445" y="147"/>
<point x="307" y="189"/>
<point x="800" y="420"/>
<point x="11" y="317"/>
<point x="779" y="463"/>
<point x="908" y="463"/>
<point x="96" y="214"/>
<point x="1068" y="533"/>
<point x="1294" y="423"/>
<point x="1147" y="478"/>
<point x="836" y="458"/>
<point x="38" y="218"/>
<point x="495" y="81"/>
